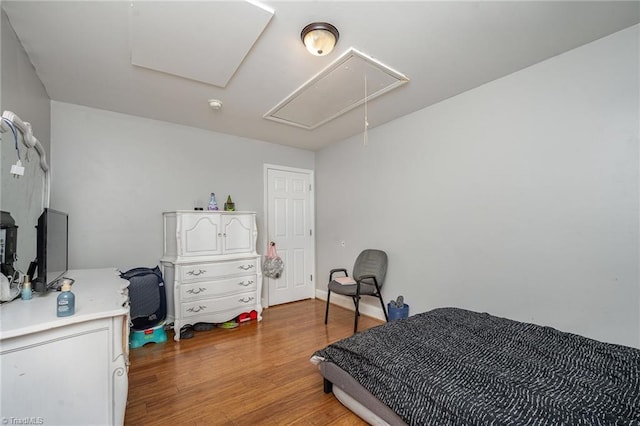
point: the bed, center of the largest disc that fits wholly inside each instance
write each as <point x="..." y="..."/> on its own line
<point x="451" y="366"/>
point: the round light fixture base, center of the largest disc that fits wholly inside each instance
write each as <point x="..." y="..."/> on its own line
<point x="320" y="38"/>
<point x="215" y="104"/>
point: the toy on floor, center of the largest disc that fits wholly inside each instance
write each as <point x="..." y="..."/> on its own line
<point x="248" y="316"/>
<point x="156" y="334"/>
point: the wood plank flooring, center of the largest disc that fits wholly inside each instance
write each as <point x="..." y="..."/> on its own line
<point x="258" y="373"/>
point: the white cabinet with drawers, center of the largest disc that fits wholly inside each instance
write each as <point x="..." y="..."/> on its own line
<point x="210" y="261"/>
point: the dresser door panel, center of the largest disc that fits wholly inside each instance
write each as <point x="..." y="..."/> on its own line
<point x="237" y="232"/>
<point x="200" y="235"/>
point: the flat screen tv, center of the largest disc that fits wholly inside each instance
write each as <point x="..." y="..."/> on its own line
<point x="52" y="248"/>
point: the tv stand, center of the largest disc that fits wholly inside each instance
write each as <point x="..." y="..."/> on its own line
<point x="57" y="284"/>
<point x="38" y="285"/>
<point x="69" y="370"/>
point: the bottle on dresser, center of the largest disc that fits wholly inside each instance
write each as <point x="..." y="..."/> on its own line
<point x="26" y="292"/>
<point x="66" y="301"/>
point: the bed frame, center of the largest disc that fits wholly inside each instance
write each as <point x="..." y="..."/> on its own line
<point x="355" y="397"/>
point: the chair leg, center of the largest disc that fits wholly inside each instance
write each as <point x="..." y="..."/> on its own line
<point x="355" y="304"/>
<point x="326" y="312"/>
<point x="355" y="324"/>
<point x="386" y="317"/>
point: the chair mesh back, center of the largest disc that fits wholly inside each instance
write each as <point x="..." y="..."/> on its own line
<point x="371" y="262"/>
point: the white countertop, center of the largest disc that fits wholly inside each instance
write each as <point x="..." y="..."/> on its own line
<point x="99" y="293"/>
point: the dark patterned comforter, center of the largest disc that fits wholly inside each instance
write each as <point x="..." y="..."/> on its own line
<point x="450" y="366"/>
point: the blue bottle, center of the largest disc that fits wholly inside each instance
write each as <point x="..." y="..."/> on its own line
<point x="66" y="301"/>
<point x="26" y="289"/>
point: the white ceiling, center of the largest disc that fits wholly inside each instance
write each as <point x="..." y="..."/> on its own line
<point x="82" y="52"/>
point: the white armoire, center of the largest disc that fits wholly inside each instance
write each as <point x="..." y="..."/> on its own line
<point x="210" y="266"/>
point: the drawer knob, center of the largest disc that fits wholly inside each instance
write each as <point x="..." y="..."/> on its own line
<point x="245" y="284"/>
<point x="246" y="299"/>
<point x="195" y="274"/>
<point x="197" y="309"/>
<point x="196" y="290"/>
<point x="246" y="267"/>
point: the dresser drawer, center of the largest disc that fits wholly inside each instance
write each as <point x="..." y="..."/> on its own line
<point x="209" y="306"/>
<point x="207" y="271"/>
<point x="204" y="290"/>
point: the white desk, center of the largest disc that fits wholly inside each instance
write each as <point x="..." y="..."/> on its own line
<point x="70" y="370"/>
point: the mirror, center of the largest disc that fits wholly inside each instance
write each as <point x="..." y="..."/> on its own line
<point x="23" y="196"/>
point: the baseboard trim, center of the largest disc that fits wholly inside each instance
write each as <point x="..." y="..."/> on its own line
<point x="374" y="311"/>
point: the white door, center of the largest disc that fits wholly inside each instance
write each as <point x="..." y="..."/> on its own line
<point x="290" y="225"/>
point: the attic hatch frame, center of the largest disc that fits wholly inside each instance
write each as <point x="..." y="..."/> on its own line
<point x="397" y="79"/>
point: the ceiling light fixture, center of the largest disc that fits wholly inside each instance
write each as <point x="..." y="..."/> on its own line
<point x="320" y="38"/>
<point x="215" y="104"/>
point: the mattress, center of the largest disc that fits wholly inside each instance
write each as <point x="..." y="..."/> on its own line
<point x="452" y="366"/>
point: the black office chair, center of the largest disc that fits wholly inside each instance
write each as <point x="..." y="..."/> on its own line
<point x="369" y="272"/>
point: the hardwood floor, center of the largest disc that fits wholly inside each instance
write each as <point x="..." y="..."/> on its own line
<point x="258" y="373"/>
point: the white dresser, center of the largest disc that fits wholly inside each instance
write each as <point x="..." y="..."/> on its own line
<point x="70" y="370"/>
<point x="210" y="262"/>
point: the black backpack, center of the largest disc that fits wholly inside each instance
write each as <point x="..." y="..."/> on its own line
<point x="147" y="297"/>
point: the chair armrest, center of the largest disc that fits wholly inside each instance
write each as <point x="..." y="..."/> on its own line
<point x="362" y="278"/>
<point x="333" y="271"/>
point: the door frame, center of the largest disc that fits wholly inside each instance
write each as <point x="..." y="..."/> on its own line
<point x="312" y="220"/>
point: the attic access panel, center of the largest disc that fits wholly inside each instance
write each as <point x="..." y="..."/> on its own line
<point x="336" y="90"/>
<point x="204" y="41"/>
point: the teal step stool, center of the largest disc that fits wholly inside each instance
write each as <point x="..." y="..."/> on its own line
<point x="155" y="334"/>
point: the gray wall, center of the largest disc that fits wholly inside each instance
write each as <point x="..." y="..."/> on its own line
<point x="519" y="198"/>
<point x="22" y="91"/>
<point x="115" y="174"/>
